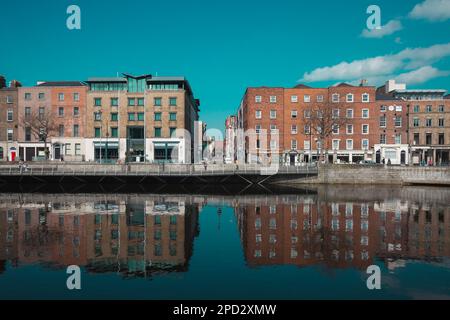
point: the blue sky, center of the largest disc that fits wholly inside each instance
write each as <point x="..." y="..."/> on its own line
<point x="222" y="47"/>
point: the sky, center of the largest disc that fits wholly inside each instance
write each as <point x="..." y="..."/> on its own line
<point x="223" y="47"/>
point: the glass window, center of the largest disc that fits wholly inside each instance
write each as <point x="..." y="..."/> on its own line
<point x="157" y="116"/>
<point x="273" y="114"/>
<point x="294" y="114"/>
<point x="398" y="121"/>
<point x="429" y="108"/>
<point x="416" y="108"/>
<point x="27" y="96"/>
<point x="349" y="113"/>
<point x="114" y="116"/>
<point x="365" y="97"/>
<point x="258" y="114"/>
<point x="349" y="97"/>
<point x="76" y="96"/>
<point x="157" y="132"/>
<point x="131" y="116"/>
<point x="61" y="130"/>
<point x="365" y="144"/>
<point x="172" y="131"/>
<point x="258" y="99"/>
<point x="61" y="111"/>
<point x="365" y="113"/>
<point x="320" y="98"/>
<point x="416" y="122"/>
<point x="349" y="129"/>
<point x="349" y="144"/>
<point x="335" y="97"/>
<point x="97" y="132"/>
<point x="140" y="116"/>
<point x="131" y="102"/>
<point x="114" y="132"/>
<point x="9" y="115"/>
<point x="173" y="116"/>
<point x="60" y="96"/>
<point x="76" y="130"/>
<point x="140" y="102"/>
<point x="173" y="101"/>
<point x="114" y="102"/>
<point x="294" y="98"/>
<point x="97" y="116"/>
<point x="68" y="149"/>
<point x="273" y="99"/>
<point x="441" y="108"/>
<point x="365" y="129"/>
<point x="157" y="102"/>
<point x="98" y="102"/>
<point x="307" y="98"/>
<point x="76" y="111"/>
<point x="10" y="134"/>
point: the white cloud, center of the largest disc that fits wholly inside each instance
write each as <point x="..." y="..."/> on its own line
<point x="432" y="10"/>
<point x="421" y="75"/>
<point x="381" y="66"/>
<point x="389" y="28"/>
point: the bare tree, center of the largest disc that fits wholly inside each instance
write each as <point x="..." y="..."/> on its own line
<point x="42" y="126"/>
<point x="322" y="121"/>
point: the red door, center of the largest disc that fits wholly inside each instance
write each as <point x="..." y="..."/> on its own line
<point x="13" y="156"/>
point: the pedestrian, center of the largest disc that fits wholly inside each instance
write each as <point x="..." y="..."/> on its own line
<point x="384" y="161"/>
<point x="389" y="162"/>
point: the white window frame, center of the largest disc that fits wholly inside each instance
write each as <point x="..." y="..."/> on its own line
<point x="335" y="97"/>
<point x="8" y="113"/>
<point x="365" y="95"/>
<point x="338" y="141"/>
<point x="346" y="113"/>
<point x="258" y="128"/>
<point x="273" y="128"/>
<point x="362" y="114"/>
<point x="8" y="132"/>
<point x="258" y="114"/>
<point x="306" y="98"/>
<point x="348" y="96"/>
<point x="60" y="95"/>
<point x="294" y="114"/>
<point x="362" y="128"/>
<point x="9" y="99"/>
<point x="362" y="144"/>
<point x="293" y="144"/>
<point x="346" y="144"/>
<point x="347" y="127"/>
<point x="319" y="98"/>
<point x="294" y="98"/>
<point x="273" y="99"/>
<point x="273" y="114"/>
<point x="258" y="99"/>
<point x="294" y="129"/>
<point x="332" y="129"/>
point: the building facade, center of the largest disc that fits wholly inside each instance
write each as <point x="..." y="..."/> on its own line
<point x="8" y="120"/>
<point x="230" y="139"/>
<point x="140" y="119"/>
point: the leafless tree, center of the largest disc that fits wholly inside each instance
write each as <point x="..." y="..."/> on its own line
<point x="42" y="126"/>
<point x="322" y="120"/>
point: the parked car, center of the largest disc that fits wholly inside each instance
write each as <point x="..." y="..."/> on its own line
<point x="370" y="162"/>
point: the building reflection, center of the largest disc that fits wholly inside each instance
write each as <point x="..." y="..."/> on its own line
<point x="340" y="233"/>
<point x="132" y="237"/>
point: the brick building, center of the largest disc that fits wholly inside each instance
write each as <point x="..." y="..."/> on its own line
<point x="68" y="105"/>
<point x="8" y="120"/>
<point x="276" y="121"/>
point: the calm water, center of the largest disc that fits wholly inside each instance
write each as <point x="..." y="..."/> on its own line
<point x="305" y="244"/>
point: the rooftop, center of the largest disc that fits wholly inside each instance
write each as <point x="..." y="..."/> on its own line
<point x="421" y="91"/>
<point x="61" y="84"/>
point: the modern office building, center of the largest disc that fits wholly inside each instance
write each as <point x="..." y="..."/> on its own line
<point x="140" y="119"/>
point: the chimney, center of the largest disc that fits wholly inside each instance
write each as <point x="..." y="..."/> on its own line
<point x="40" y="82"/>
<point x="363" y="83"/>
<point x="14" y="84"/>
<point x="2" y="82"/>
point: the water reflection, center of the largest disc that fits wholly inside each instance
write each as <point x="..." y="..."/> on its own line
<point x="149" y="235"/>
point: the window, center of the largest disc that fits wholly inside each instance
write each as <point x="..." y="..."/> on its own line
<point x="294" y="144"/>
<point x="157" y="102"/>
<point x="157" y="132"/>
<point x="172" y="131"/>
<point x="61" y="112"/>
<point x="307" y="98"/>
<point x="114" y="132"/>
<point x="365" y="97"/>
<point x="307" y="114"/>
<point x="335" y="129"/>
<point x="258" y="114"/>
<point x="258" y="99"/>
<point x="335" y="113"/>
<point x="416" y="122"/>
<point x="273" y="114"/>
<point x="383" y="121"/>
<point x="41" y="112"/>
<point x="97" y="116"/>
<point x="60" y="96"/>
<point x="382" y="139"/>
<point x="9" y="115"/>
<point x="114" y="102"/>
<point x="441" y="139"/>
<point x="428" y="138"/>
<point x="428" y="122"/>
<point x="9" y="99"/>
<point x="336" y="144"/>
<point x="27" y="96"/>
<point x="307" y="145"/>
<point x="335" y="97"/>
<point x="258" y="128"/>
<point x="383" y="108"/>
<point x="173" y="116"/>
<point x="365" y="129"/>
<point x="173" y="101"/>
<point x="429" y="108"/>
<point x="349" y="129"/>
<point x="131" y="102"/>
<point x="307" y="129"/>
<point x="76" y="130"/>
<point x="131" y="116"/>
<point x="293" y="129"/>
<point x="273" y="144"/>
<point x="68" y="149"/>
<point x="41" y="96"/>
<point x="294" y="98"/>
<point x="27" y="112"/>
<point x="398" y="138"/>
<point x="140" y="102"/>
<point x="416" y="108"/>
<point x="27" y="134"/>
<point x="349" y="144"/>
<point x="273" y="99"/>
<point x="98" y="102"/>
<point x="441" y="108"/>
<point x="77" y="149"/>
<point x="350" y="97"/>
<point x="76" y="111"/>
<point x="365" y="113"/>
<point x="294" y="114"/>
<point x="320" y="98"/>
<point x="365" y="144"/>
<point x="114" y="116"/>
<point x="273" y="128"/>
<point x="140" y="116"/>
<point x="349" y="113"/>
<point x="416" y="139"/>
<point x="157" y="116"/>
<point x="398" y="121"/>
<point x="441" y="122"/>
<point x="76" y="96"/>
<point x="97" y="132"/>
<point x="61" y="130"/>
<point x="10" y="134"/>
